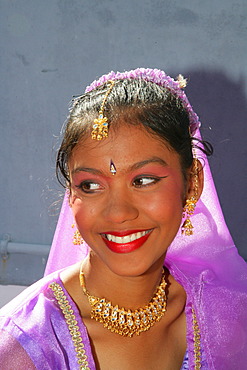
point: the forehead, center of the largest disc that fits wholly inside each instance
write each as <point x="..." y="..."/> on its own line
<point x="125" y="145"/>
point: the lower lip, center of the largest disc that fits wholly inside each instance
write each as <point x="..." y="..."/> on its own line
<point x="126" y="247"/>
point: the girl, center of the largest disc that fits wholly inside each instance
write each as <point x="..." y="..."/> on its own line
<point x="156" y="282"/>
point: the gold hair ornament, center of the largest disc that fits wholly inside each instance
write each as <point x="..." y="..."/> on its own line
<point x="190" y="205"/>
<point x="100" y="126"/>
<point x="127" y="322"/>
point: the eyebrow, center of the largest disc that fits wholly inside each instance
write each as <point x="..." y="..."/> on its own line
<point x="133" y="167"/>
<point x="86" y="169"/>
<point x="141" y="164"/>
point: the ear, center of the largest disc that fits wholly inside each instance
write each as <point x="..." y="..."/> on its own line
<point x="195" y="180"/>
<point x="69" y="196"/>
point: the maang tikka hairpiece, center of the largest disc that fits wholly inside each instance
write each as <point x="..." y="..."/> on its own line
<point x="100" y="127"/>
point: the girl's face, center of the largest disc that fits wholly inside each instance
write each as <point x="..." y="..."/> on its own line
<point x="129" y="218"/>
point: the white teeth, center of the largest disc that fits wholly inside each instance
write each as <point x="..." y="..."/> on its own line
<point x="125" y="239"/>
<point x="132" y="237"/>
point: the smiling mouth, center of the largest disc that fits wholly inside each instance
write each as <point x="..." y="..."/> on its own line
<point x="127" y="238"/>
<point x="125" y="243"/>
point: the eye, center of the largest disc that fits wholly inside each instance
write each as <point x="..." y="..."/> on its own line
<point x="89" y="187"/>
<point x="144" y="181"/>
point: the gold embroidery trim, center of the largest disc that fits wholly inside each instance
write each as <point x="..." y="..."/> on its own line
<point x="72" y="325"/>
<point x="77" y="339"/>
<point x="197" y="341"/>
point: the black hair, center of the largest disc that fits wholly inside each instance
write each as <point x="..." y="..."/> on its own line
<point x="136" y="102"/>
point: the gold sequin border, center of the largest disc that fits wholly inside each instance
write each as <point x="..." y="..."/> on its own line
<point x="197" y="341"/>
<point x="72" y="325"/>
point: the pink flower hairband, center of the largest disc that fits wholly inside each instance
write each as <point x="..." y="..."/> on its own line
<point x="153" y="75"/>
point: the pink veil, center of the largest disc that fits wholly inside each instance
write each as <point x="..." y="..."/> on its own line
<point x="207" y="263"/>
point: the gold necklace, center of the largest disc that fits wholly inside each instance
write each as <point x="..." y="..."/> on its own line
<point x="127" y="322"/>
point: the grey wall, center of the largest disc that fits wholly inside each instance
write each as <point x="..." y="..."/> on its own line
<point x="51" y="49"/>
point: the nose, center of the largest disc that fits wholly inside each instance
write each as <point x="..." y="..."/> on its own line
<point x="120" y="208"/>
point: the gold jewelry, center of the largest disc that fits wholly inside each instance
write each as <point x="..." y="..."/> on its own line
<point x="77" y="239"/>
<point x="127" y="322"/>
<point x="189" y="208"/>
<point x="100" y="127"/>
<point x="190" y="205"/>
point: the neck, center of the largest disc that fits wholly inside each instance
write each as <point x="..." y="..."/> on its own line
<point x="129" y="291"/>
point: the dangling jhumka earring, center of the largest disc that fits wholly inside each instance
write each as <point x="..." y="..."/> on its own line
<point x="190" y="205"/>
<point x="77" y="239"/>
<point x="100" y="127"/>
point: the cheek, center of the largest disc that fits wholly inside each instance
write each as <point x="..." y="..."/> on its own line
<point x="84" y="222"/>
<point x="86" y="215"/>
<point x="80" y="211"/>
<point x="167" y="201"/>
<point x="165" y="210"/>
<point x="79" y="205"/>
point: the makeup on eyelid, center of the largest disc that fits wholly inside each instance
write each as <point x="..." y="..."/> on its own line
<point x="146" y="170"/>
<point x="151" y="170"/>
<point x="142" y="175"/>
<point x="79" y="177"/>
<point x="148" y="179"/>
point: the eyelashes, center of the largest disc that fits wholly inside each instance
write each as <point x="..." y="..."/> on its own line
<point x="146" y="181"/>
<point x="89" y="187"/>
<point x="139" y="182"/>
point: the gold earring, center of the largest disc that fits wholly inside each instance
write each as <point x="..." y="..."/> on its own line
<point x="189" y="208"/>
<point x="77" y="239"/>
<point x="190" y="205"/>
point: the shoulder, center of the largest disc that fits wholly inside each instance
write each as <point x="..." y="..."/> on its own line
<point x="36" y="320"/>
<point x="25" y="324"/>
<point x="32" y="307"/>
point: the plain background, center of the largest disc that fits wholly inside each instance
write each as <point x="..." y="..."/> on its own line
<point x="52" y="49"/>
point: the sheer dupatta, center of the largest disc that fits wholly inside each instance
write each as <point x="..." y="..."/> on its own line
<point x="206" y="264"/>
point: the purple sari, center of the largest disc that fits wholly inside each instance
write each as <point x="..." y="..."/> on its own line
<point x="34" y="333"/>
<point x="36" y="323"/>
<point x="206" y="264"/>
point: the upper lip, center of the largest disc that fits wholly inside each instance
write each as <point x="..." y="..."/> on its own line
<point x="125" y="232"/>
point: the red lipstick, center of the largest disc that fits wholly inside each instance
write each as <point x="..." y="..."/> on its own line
<point x="125" y="247"/>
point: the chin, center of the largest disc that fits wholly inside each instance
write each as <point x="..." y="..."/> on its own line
<point x="129" y="265"/>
